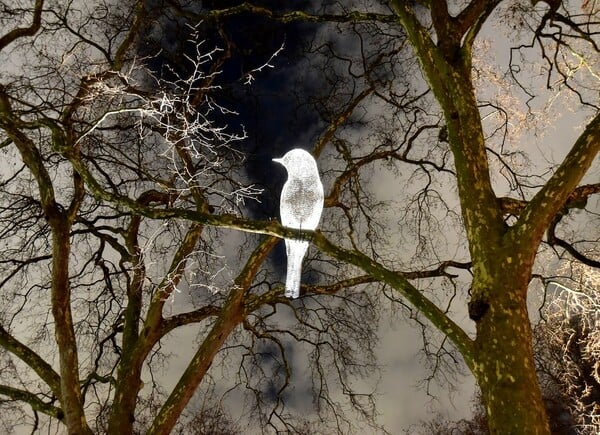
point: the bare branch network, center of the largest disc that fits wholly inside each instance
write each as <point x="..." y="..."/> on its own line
<point x="137" y="212"/>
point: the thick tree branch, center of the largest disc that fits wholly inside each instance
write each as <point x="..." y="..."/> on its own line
<point x="129" y="370"/>
<point x="349" y="17"/>
<point x="60" y="296"/>
<point x="33" y="400"/>
<point x="577" y="199"/>
<point x="20" y="32"/>
<point x="418" y="35"/>
<point x="446" y="32"/>
<point x="471" y="18"/>
<point x="458" y="33"/>
<point x="195" y="316"/>
<point x="397" y="281"/>
<point x="540" y="211"/>
<point x="32" y="359"/>
<point x="232" y="314"/>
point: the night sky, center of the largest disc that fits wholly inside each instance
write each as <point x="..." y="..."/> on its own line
<point x="274" y="109"/>
<point x="289" y="104"/>
<point x="283" y="108"/>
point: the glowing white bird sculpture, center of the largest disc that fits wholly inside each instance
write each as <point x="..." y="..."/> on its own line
<point x="301" y="207"/>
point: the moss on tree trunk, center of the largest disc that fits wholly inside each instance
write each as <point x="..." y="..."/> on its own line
<point x="504" y="364"/>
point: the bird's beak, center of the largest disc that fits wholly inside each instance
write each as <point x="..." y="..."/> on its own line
<point x="280" y="161"/>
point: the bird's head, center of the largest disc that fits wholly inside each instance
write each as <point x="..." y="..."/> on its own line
<point x="298" y="163"/>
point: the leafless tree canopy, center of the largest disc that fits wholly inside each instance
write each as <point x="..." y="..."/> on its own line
<point x="453" y="191"/>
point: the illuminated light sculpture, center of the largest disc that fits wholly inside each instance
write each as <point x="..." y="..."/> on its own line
<point x="300" y="208"/>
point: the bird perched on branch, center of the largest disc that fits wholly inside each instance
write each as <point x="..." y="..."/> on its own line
<point x="301" y="206"/>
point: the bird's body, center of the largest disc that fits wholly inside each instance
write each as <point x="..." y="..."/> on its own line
<point x="301" y="206"/>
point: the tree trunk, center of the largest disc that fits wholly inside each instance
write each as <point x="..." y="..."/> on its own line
<point x="71" y="398"/>
<point x="129" y="384"/>
<point x="122" y="417"/>
<point x="504" y="364"/>
<point x="129" y="374"/>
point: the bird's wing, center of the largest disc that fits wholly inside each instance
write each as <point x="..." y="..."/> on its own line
<point x="301" y="203"/>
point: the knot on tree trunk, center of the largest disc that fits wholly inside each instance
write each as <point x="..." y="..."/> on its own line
<point x="477" y="309"/>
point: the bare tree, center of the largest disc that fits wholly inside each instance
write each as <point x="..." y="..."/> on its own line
<point x="89" y="267"/>
<point x="122" y="186"/>
<point x="89" y="281"/>
<point x="460" y="126"/>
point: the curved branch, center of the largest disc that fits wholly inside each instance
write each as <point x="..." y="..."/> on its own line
<point x="195" y="316"/>
<point x="349" y="17"/>
<point x="397" y="281"/>
<point x="30" y="155"/>
<point x="32" y="359"/>
<point x="540" y="211"/>
<point x="553" y="240"/>
<point x="19" y="32"/>
<point x="33" y="400"/>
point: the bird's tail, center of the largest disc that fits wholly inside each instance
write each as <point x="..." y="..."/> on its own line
<point x="295" y="253"/>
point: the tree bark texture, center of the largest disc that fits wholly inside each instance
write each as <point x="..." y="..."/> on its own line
<point x="71" y="399"/>
<point x="503" y="357"/>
